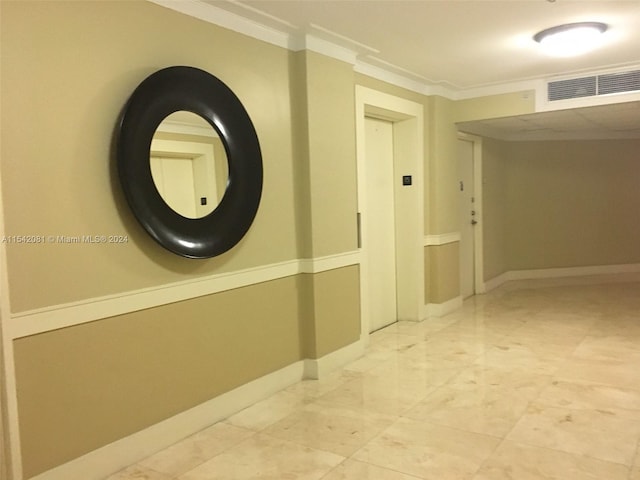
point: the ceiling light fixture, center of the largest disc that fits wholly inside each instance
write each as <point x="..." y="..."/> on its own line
<point x="570" y="39"/>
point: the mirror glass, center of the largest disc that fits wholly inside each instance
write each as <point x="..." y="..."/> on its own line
<point x="189" y="164"/>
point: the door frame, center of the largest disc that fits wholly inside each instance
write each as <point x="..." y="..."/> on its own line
<point x="407" y="118"/>
<point x="194" y="152"/>
<point x="479" y="285"/>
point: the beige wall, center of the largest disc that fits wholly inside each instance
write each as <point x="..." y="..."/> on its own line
<point x="560" y="204"/>
<point x="494" y="205"/>
<point x="82" y="387"/>
<point x="332" y="302"/>
<point x="442" y="274"/>
<point x="67" y="70"/>
<point x="65" y="78"/>
<point x="572" y="203"/>
<point x="443" y="267"/>
<point x="63" y="89"/>
<point x="494" y="106"/>
<point x="493" y="181"/>
<point x="443" y="208"/>
<point x="328" y="147"/>
<point x="554" y="204"/>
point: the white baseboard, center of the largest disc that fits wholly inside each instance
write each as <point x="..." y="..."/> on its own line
<point x="569" y="275"/>
<point x="107" y="460"/>
<point x="441" y="309"/>
<point x="496" y="281"/>
<point x="318" y="368"/>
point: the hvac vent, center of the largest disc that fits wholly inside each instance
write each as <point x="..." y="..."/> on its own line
<point x="594" y="85"/>
<point x="619" y="82"/>
<point x="572" y="88"/>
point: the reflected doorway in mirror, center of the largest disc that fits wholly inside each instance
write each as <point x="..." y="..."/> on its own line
<point x="189" y="164"/>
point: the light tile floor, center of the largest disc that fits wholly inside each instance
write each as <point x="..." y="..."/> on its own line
<point x="527" y="382"/>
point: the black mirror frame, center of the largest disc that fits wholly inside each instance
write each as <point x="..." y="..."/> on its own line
<point x="187" y="88"/>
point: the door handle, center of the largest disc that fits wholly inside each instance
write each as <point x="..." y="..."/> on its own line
<point x="473" y="222"/>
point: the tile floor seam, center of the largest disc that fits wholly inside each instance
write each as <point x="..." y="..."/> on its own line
<point x="484" y="462"/>
<point x="552" y="450"/>
<point x="541" y="447"/>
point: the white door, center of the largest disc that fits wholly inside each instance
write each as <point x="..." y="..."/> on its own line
<point x="379" y="240"/>
<point x="467" y="218"/>
<point x="174" y="180"/>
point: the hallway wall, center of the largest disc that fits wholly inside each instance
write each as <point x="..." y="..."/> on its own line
<point x="572" y="203"/>
<point x="557" y="204"/>
<point x="104" y="340"/>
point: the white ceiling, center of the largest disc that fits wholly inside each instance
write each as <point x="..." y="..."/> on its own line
<point x="460" y="44"/>
<point x="463" y="45"/>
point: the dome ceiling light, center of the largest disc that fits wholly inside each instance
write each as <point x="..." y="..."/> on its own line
<point x="571" y="39"/>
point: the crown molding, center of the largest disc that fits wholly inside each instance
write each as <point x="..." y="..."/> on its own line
<point x="232" y="21"/>
<point x="535" y="85"/>
<point x="401" y="78"/>
<point x="386" y="75"/>
<point x="327" y="48"/>
<point x="256" y="24"/>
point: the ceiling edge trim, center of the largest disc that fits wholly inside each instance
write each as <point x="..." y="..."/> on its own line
<point x="231" y="21"/>
<point x="325" y="47"/>
<point x="403" y="81"/>
<point x="542" y="105"/>
<point x="358" y="55"/>
<point x="537" y="85"/>
<point x="297" y="42"/>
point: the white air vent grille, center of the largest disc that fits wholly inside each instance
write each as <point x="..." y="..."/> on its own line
<point x="572" y="88"/>
<point x="594" y="85"/>
<point x="619" y="82"/>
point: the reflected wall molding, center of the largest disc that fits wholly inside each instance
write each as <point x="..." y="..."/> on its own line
<point x="41" y="320"/>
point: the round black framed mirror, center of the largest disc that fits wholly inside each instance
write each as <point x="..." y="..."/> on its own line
<point x="188" y="89"/>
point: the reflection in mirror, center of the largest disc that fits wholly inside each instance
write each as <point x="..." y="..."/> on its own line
<point x="188" y="164"/>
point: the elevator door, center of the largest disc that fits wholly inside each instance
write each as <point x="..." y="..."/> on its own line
<point x="380" y="235"/>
